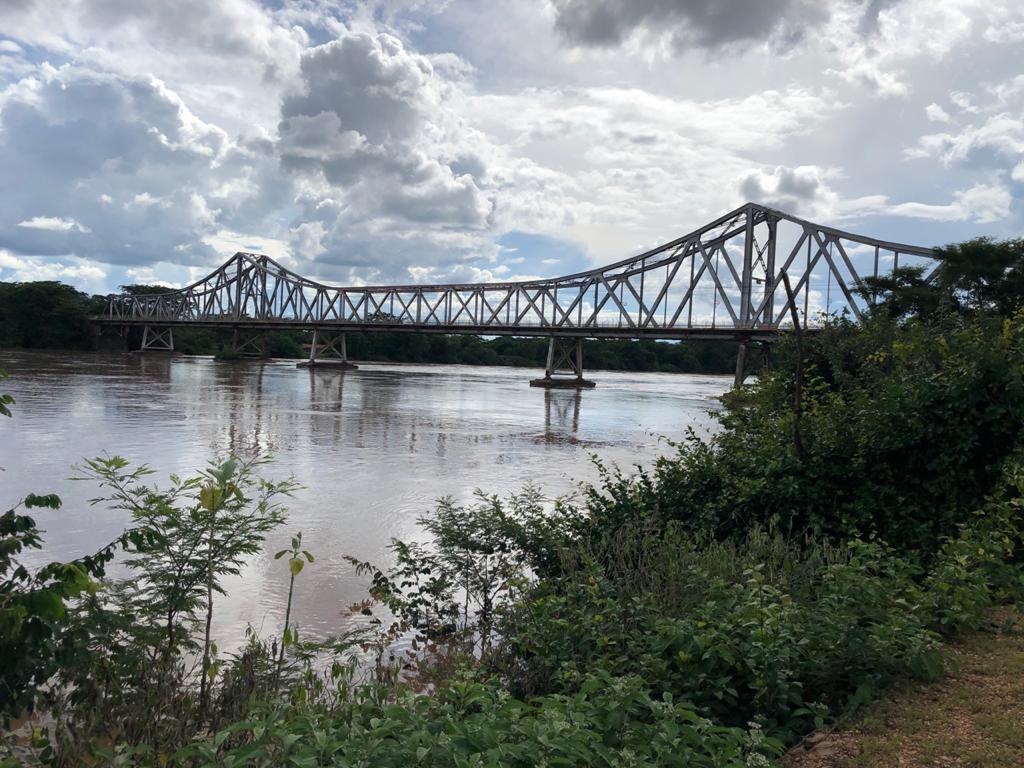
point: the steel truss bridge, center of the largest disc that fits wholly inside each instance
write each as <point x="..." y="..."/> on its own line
<point x="744" y="276"/>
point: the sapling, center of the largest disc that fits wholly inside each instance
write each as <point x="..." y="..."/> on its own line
<point x="295" y="566"/>
<point x="198" y="531"/>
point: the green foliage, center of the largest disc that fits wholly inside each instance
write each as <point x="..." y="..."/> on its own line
<point x="609" y="722"/>
<point x="977" y="277"/>
<point x="45" y="315"/>
<point x="5" y="399"/>
<point x="127" y="656"/>
<point x="297" y="561"/>
<point x="763" y="629"/>
<point x="904" y="431"/>
<point x="479" y="560"/>
<point x="984" y="275"/>
<point x="698" y="356"/>
<point x="33" y="607"/>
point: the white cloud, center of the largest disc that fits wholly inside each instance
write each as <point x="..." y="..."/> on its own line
<point x="936" y="114"/>
<point x="982" y="203"/>
<point x="53" y="224"/>
<point x="29" y="268"/>
<point x="79" y="139"/>
<point x="987" y="134"/>
<point x="907" y="31"/>
<point x="1009" y="32"/>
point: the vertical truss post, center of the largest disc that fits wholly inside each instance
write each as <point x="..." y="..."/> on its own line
<point x="769" y="274"/>
<point x="238" y="288"/>
<point x="328" y="351"/>
<point x="156" y="339"/>
<point x="747" y="276"/>
<point x="564" y="356"/>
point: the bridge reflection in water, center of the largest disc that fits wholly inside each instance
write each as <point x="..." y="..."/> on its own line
<point x="744" y="276"/>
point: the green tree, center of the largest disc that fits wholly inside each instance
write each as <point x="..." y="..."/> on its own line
<point x="45" y="315"/>
<point x="979" y="276"/>
<point x="983" y="274"/>
<point x="197" y="531"/>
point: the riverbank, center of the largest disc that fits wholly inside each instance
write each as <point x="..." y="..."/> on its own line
<point x="972" y="717"/>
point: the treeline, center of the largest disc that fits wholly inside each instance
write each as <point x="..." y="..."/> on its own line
<point x="46" y="315"/>
<point x="52" y="315"/>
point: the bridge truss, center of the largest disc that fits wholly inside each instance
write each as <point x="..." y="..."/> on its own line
<point x="726" y="279"/>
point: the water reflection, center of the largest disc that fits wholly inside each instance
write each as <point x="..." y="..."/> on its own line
<point x="562" y="413"/>
<point x="373" y="448"/>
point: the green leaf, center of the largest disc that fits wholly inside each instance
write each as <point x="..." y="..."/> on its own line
<point x="51" y="501"/>
<point x="210" y="497"/>
<point x="296" y="565"/>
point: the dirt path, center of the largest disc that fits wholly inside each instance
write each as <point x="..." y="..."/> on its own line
<point x="973" y="718"/>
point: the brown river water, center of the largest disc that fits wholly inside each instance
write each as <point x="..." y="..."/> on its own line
<point x="373" y="449"/>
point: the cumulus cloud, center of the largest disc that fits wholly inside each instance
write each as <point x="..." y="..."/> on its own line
<point x="987" y="135"/>
<point x="112" y="167"/>
<point x="802" y="190"/>
<point x="805" y="190"/>
<point x="936" y="114"/>
<point x="377" y="151"/>
<point x="226" y="57"/>
<point x="905" y="32"/>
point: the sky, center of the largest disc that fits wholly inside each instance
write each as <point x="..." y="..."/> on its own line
<point x="458" y="140"/>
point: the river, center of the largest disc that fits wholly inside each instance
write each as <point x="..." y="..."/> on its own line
<point x="373" y="449"/>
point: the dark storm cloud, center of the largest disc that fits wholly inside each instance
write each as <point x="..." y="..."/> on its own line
<point x="692" y="23"/>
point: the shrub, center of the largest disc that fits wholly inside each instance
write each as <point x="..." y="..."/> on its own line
<point x="903" y="431"/>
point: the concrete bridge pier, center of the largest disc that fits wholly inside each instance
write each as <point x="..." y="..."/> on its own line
<point x="564" y="355"/>
<point x="328" y="351"/>
<point x="157" y="339"/>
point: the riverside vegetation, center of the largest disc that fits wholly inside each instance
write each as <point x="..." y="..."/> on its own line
<point x="862" y="503"/>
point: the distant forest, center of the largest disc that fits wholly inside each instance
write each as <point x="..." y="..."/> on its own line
<point x="52" y="315"/>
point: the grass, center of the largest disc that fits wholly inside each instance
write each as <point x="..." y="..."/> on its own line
<point x="974" y="718"/>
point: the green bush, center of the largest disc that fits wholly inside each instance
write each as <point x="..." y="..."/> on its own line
<point x="765" y="630"/>
<point x="902" y="431"/>
<point x="609" y="722"/>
